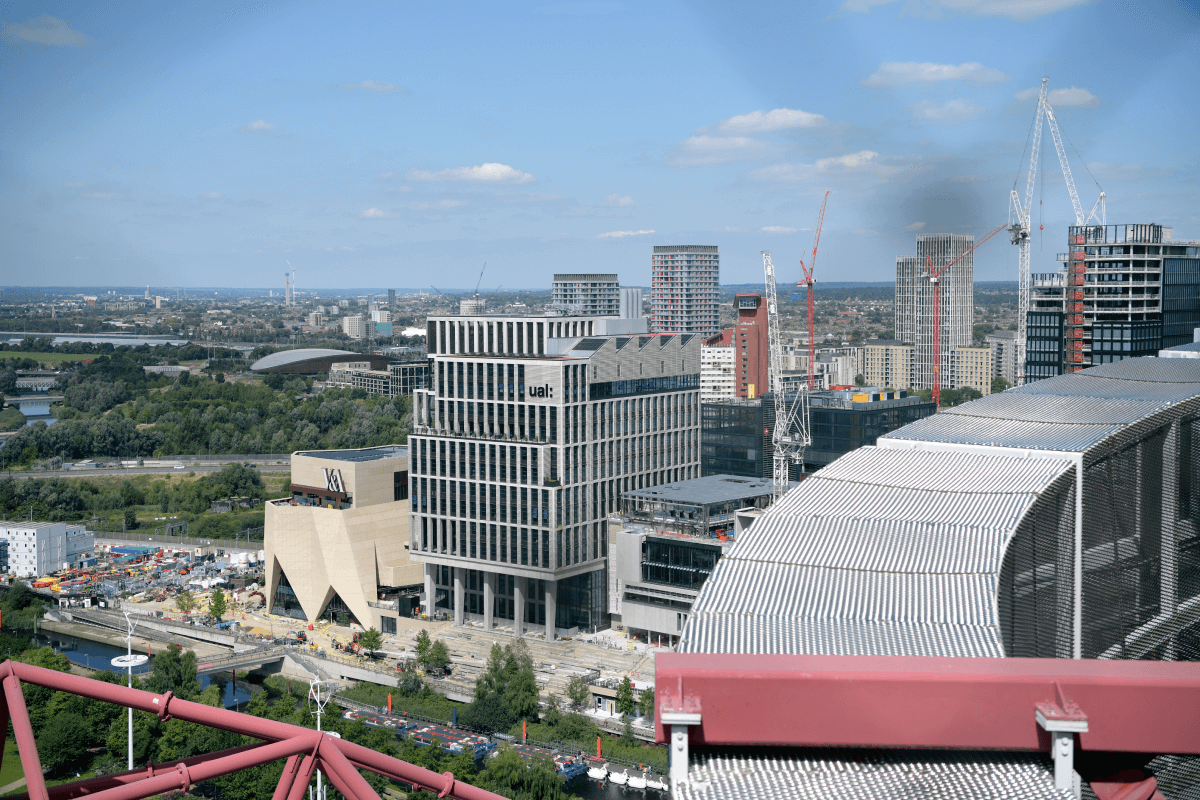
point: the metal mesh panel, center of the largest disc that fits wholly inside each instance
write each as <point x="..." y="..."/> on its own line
<point x="1121" y="544"/>
<point x="1036" y="578"/>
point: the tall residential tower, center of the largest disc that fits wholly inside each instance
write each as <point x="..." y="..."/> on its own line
<point x="914" y="304"/>
<point x="590" y="294"/>
<point x="683" y="289"/>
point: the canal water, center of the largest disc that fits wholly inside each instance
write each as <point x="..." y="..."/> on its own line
<point x="98" y="655"/>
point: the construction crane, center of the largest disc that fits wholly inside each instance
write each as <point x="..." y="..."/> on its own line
<point x="791" y="434"/>
<point x="808" y="281"/>
<point x="935" y="275"/>
<point x="1020" y="216"/>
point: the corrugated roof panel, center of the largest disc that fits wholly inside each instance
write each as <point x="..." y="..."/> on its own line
<point x="963" y="429"/>
<point x="882" y="551"/>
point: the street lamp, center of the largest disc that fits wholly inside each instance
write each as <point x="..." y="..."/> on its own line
<point x="129" y="661"/>
<point x="320" y="700"/>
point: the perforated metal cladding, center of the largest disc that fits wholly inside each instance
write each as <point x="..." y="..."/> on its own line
<point x="1036" y="583"/>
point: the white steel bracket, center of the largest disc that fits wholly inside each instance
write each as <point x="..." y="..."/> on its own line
<point x="679" y="713"/>
<point x="1062" y="722"/>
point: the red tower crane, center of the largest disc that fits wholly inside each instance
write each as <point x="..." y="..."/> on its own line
<point x="934" y="276"/>
<point x="808" y="281"/>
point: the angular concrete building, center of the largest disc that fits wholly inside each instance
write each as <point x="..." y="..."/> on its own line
<point x="339" y="543"/>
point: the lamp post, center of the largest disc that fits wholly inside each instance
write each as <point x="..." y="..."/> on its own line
<point x="320" y="700"/>
<point x="129" y="661"/>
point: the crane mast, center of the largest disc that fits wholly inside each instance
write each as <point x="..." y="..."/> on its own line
<point x="791" y="433"/>
<point x="1021" y="217"/>
<point x="809" y="281"/>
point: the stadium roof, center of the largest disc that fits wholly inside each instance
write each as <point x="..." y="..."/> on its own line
<point x="311" y="360"/>
<point x="1069" y="413"/>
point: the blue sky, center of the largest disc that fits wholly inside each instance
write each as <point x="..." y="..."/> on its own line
<point x="404" y="144"/>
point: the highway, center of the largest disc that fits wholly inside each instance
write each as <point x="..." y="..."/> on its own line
<point x="130" y="471"/>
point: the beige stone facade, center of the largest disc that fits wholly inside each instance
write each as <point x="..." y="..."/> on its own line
<point x="973" y="366"/>
<point x="343" y="532"/>
<point x="887" y="364"/>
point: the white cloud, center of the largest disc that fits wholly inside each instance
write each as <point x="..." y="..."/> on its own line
<point x="260" y="126"/>
<point x="386" y="176"/>
<point x="916" y="226"/>
<point x="864" y="161"/>
<point x="484" y="173"/>
<point x="377" y="213"/>
<point x="617" y="201"/>
<point x="374" y="87"/>
<point x="440" y="205"/>
<point x="950" y="111"/>
<point x="704" y="149"/>
<point x="621" y="234"/>
<point x="777" y="229"/>
<point x="731" y="229"/>
<point x="1013" y="9"/>
<point x="909" y="73"/>
<point x="1061" y="98"/>
<point x="210" y="196"/>
<point x="780" y="119"/>
<point x="43" y="30"/>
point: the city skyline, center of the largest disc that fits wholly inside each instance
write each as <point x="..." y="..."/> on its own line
<point x="216" y="146"/>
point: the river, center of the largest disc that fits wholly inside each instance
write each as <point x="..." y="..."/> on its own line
<point x="97" y="655"/>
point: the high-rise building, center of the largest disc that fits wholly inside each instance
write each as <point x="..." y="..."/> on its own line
<point x="914" y="303"/>
<point x="631" y="304"/>
<point x="888" y="363"/>
<point x="589" y="294"/>
<point x="748" y="341"/>
<point x="717" y="380"/>
<point x="381" y="315"/>
<point x="1126" y="291"/>
<point x="530" y="431"/>
<point x="683" y="289"/>
<point x="356" y="326"/>
<point x="1003" y="346"/>
<point x="973" y="368"/>
<point x="391" y="298"/>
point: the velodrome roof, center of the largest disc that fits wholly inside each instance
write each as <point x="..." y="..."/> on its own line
<point x="1069" y="413"/>
<point x="312" y="359"/>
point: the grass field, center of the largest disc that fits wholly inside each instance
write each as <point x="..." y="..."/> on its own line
<point x="11" y="769"/>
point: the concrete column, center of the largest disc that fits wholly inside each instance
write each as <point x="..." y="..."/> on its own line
<point x="519" y="607"/>
<point x="430" y="591"/>
<point x="551" y="609"/>
<point x="489" y="599"/>
<point x="460" y="594"/>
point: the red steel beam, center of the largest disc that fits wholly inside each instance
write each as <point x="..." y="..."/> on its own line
<point x="31" y="764"/>
<point x="165" y="706"/>
<point x="954" y="703"/>
<point x="69" y="791"/>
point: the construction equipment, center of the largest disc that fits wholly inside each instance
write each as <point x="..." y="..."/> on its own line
<point x="808" y="281"/>
<point x="1020" y="216"/>
<point x="935" y="275"/>
<point x="791" y="434"/>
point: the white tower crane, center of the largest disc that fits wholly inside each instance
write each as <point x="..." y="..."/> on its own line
<point x="1021" y="214"/>
<point x="791" y="434"/>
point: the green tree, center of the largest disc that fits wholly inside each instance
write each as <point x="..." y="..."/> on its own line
<point x="216" y="603"/>
<point x="174" y="671"/>
<point x="860" y="380"/>
<point x="131" y="520"/>
<point x="646" y="703"/>
<point x="578" y="690"/>
<point x="219" y="377"/>
<point x="370" y="640"/>
<point x="507" y="774"/>
<point x="438" y="659"/>
<point x="625" y="702"/>
<point x="1000" y="384"/>
<point x="185" y="601"/>
<point x="423" y="645"/>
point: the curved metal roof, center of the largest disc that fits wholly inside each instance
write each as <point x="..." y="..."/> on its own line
<point x="291" y="358"/>
<point x="882" y="552"/>
<point x="1069" y="413"/>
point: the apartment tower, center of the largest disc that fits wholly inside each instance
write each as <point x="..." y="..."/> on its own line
<point x="683" y="289"/>
<point x="914" y="303"/>
<point x="592" y="295"/>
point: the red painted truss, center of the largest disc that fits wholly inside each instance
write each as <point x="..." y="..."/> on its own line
<point x="305" y="750"/>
